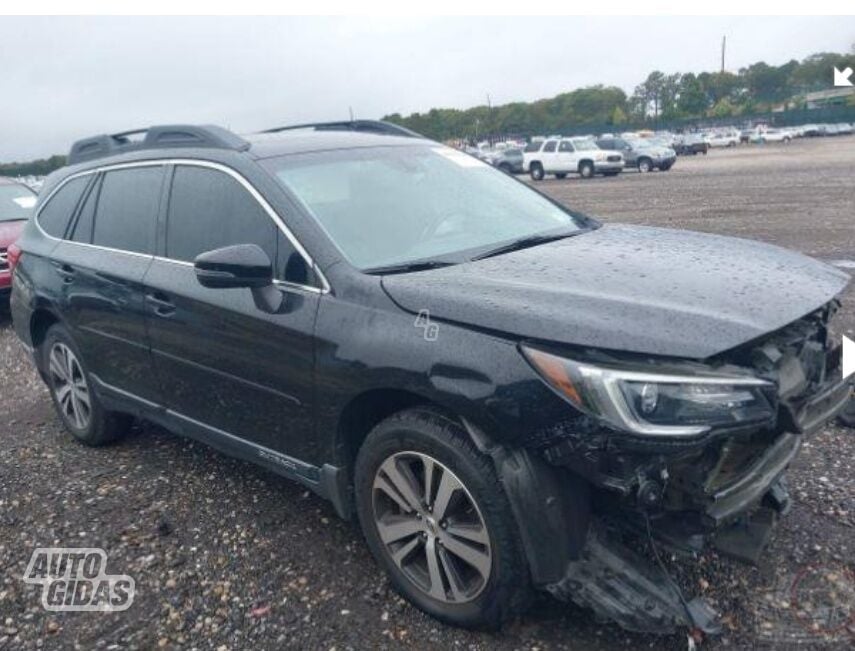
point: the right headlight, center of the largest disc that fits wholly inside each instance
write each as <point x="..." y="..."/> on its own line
<point x="655" y="403"/>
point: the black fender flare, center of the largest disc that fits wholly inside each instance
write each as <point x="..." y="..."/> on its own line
<point x="552" y="506"/>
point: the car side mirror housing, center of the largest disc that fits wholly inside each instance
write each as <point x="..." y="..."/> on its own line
<point x="244" y="266"/>
<point x="241" y="265"/>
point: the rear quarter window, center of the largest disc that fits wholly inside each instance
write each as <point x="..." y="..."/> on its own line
<point x="54" y="216"/>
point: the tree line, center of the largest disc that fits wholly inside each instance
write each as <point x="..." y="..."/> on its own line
<point x="659" y="98"/>
<point x="40" y="167"/>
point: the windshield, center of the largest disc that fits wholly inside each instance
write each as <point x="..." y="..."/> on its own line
<point x="385" y="206"/>
<point x="16" y="202"/>
<point x="585" y="144"/>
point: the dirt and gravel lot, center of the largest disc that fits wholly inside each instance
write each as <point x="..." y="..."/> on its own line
<point x="228" y="556"/>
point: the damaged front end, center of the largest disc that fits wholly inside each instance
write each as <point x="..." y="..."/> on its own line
<point x="685" y="454"/>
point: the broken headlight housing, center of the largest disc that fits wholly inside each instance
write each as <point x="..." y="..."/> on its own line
<point x="656" y="403"/>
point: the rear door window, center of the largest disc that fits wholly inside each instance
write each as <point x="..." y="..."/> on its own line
<point x="566" y="146"/>
<point x="126" y="216"/>
<point x="550" y="146"/>
<point x="57" y="212"/>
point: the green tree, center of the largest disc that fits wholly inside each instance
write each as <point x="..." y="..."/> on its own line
<point x="692" y="100"/>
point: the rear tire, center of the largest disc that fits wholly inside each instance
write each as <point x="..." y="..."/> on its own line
<point x="70" y="387"/>
<point x="418" y="477"/>
<point x="536" y="172"/>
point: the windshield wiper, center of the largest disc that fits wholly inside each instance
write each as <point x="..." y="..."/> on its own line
<point x="526" y="242"/>
<point x="406" y="267"/>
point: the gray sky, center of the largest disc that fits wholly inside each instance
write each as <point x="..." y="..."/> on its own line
<point x="66" y="78"/>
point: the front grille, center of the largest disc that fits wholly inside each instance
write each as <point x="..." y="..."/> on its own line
<point x="4" y="260"/>
<point x="613" y="159"/>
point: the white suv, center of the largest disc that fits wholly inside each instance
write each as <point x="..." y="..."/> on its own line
<point x="562" y="156"/>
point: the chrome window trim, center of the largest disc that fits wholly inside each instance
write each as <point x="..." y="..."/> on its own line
<point x="196" y="163"/>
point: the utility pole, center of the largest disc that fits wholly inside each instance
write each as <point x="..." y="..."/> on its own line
<point x="489" y="119"/>
<point x="723" y="48"/>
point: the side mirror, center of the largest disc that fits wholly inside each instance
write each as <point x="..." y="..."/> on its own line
<point x="242" y="265"/>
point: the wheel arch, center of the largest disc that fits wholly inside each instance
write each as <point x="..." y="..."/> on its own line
<point x="365" y="411"/>
<point x="549" y="504"/>
<point x="42" y="318"/>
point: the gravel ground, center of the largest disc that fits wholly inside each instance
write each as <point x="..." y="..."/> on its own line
<point x="228" y="556"/>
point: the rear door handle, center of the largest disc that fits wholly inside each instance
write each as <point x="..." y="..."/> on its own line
<point x="160" y="304"/>
<point x="66" y="272"/>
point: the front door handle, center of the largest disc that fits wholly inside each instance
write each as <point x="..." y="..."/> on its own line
<point x="160" y="304"/>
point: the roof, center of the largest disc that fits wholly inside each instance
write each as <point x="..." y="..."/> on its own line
<point x="273" y="142"/>
<point x="267" y="145"/>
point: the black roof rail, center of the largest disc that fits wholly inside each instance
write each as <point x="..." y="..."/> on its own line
<point x="157" y="137"/>
<point x="368" y="126"/>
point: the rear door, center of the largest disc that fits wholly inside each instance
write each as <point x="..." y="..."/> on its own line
<point x="221" y="362"/>
<point x="102" y="264"/>
<point x="566" y="157"/>
<point x="549" y="156"/>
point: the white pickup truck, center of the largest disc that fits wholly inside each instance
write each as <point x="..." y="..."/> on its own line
<point x="563" y="156"/>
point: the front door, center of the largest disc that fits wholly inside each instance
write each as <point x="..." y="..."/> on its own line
<point x="566" y="159"/>
<point x="221" y="361"/>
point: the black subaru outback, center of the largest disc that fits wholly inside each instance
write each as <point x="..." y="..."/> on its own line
<point x="506" y="393"/>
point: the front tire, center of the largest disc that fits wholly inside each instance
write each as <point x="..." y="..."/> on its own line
<point x="645" y="165"/>
<point x="70" y="387"/>
<point x="436" y="518"/>
<point x="586" y="170"/>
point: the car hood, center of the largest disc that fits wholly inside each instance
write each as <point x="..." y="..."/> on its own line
<point x="628" y="288"/>
<point x="10" y="231"/>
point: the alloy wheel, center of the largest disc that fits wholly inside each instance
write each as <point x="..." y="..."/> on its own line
<point x="431" y="527"/>
<point x="70" y="386"/>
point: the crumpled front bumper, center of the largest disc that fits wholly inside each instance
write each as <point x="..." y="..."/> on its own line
<point x="737" y="518"/>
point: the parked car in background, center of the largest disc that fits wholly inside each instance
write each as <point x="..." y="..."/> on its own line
<point x="772" y="135"/>
<point x="508" y="159"/>
<point x="16" y="204"/>
<point x="641" y="154"/>
<point x="844" y="129"/>
<point x="728" y="138"/>
<point x="691" y="144"/>
<point x="563" y="156"/>
<point x="745" y="135"/>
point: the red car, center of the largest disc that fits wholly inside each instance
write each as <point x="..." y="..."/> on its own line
<point x="16" y="204"/>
